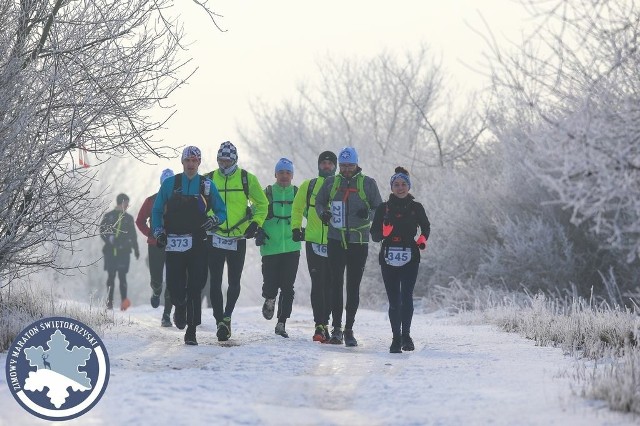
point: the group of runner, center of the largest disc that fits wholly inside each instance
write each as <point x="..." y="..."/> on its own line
<point x="197" y="223"/>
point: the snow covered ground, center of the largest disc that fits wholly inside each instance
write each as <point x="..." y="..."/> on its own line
<point x="459" y="375"/>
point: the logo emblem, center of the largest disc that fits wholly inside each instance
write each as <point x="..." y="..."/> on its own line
<point x="57" y="368"/>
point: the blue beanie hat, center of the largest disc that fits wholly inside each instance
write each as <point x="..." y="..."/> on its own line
<point x="284" y="164"/>
<point x="165" y="174"/>
<point x="401" y="173"/>
<point x="348" y="155"/>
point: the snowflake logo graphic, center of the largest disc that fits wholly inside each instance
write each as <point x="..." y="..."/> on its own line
<point x="57" y="368"/>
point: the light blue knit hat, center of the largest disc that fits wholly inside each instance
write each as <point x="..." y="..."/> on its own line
<point x="284" y="164"/>
<point x="165" y="174"/>
<point x="348" y="155"/>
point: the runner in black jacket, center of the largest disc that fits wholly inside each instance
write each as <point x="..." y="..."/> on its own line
<point x="396" y="223"/>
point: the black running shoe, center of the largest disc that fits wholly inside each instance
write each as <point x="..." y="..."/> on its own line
<point x="407" y="343"/>
<point x="155" y="300"/>
<point x="280" y="330"/>
<point x="224" y="329"/>
<point x="336" y="336"/>
<point x="166" y="321"/>
<point x="190" y="336"/>
<point x="349" y="340"/>
<point x="395" y="347"/>
<point x="180" y="316"/>
<point x="268" y="307"/>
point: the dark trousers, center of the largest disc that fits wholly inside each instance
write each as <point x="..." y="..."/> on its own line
<point x="186" y="275"/>
<point x="279" y="272"/>
<point x="116" y="262"/>
<point x="235" y="263"/>
<point x="319" y="271"/>
<point x="399" y="281"/>
<point x="111" y="281"/>
<point x="353" y="259"/>
<point x="156" y="271"/>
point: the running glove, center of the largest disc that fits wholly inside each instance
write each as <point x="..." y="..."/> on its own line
<point x="326" y="216"/>
<point x="298" y="235"/>
<point x="387" y="228"/>
<point x="261" y="237"/>
<point x="211" y="223"/>
<point x="422" y="242"/>
<point x="251" y="230"/>
<point x="161" y="240"/>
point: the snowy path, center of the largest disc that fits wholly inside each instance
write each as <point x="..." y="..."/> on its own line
<point x="458" y="375"/>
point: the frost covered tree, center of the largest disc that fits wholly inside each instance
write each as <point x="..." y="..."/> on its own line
<point x="74" y="74"/>
<point x="575" y="87"/>
<point x="394" y="109"/>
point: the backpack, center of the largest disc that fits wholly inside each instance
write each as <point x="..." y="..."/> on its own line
<point x="269" y="193"/>
<point x="312" y="185"/>
<point x="185" y="213"/>
<point x="359" y="184"/>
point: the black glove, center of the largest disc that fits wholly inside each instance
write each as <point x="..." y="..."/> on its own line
<point x="251" y="230"/>
<point x="261" y="237"/>
<point x="363" y="213"/>
<point x="326" y="216"/>
<point x="298" y="235"/>
<point x="211" y="223"/>
<point x="161" y="240"/>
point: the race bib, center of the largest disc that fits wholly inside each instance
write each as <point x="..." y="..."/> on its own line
<point x="320" y="249"/>
<point x="224" y="243"/>
<point x="337" y="210"/>
<point x="398" y="256"/>
<point x="179" y="243"/>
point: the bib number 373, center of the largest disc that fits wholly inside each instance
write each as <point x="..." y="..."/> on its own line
<point x="179" y="243"/>
<point x="397" y="256"/>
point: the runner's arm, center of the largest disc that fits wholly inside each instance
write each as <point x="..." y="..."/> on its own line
<point x="299" y="205"/>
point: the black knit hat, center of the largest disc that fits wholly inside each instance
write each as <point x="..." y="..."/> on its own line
<point x="328" y="155"/>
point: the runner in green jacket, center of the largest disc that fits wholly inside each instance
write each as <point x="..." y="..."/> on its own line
<point x="280" y="254"/>
<point x="315" y="235"/>
<point x="238" y="188"/>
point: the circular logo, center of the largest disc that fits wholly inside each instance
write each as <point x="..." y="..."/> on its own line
<point x="57" y="368"/>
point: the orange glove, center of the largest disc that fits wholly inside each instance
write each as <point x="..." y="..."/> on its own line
<point x="387" y="228"/>
<point x="422" y="242"/>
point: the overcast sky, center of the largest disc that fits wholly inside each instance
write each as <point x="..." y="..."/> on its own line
<point x="268" y="47"/>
